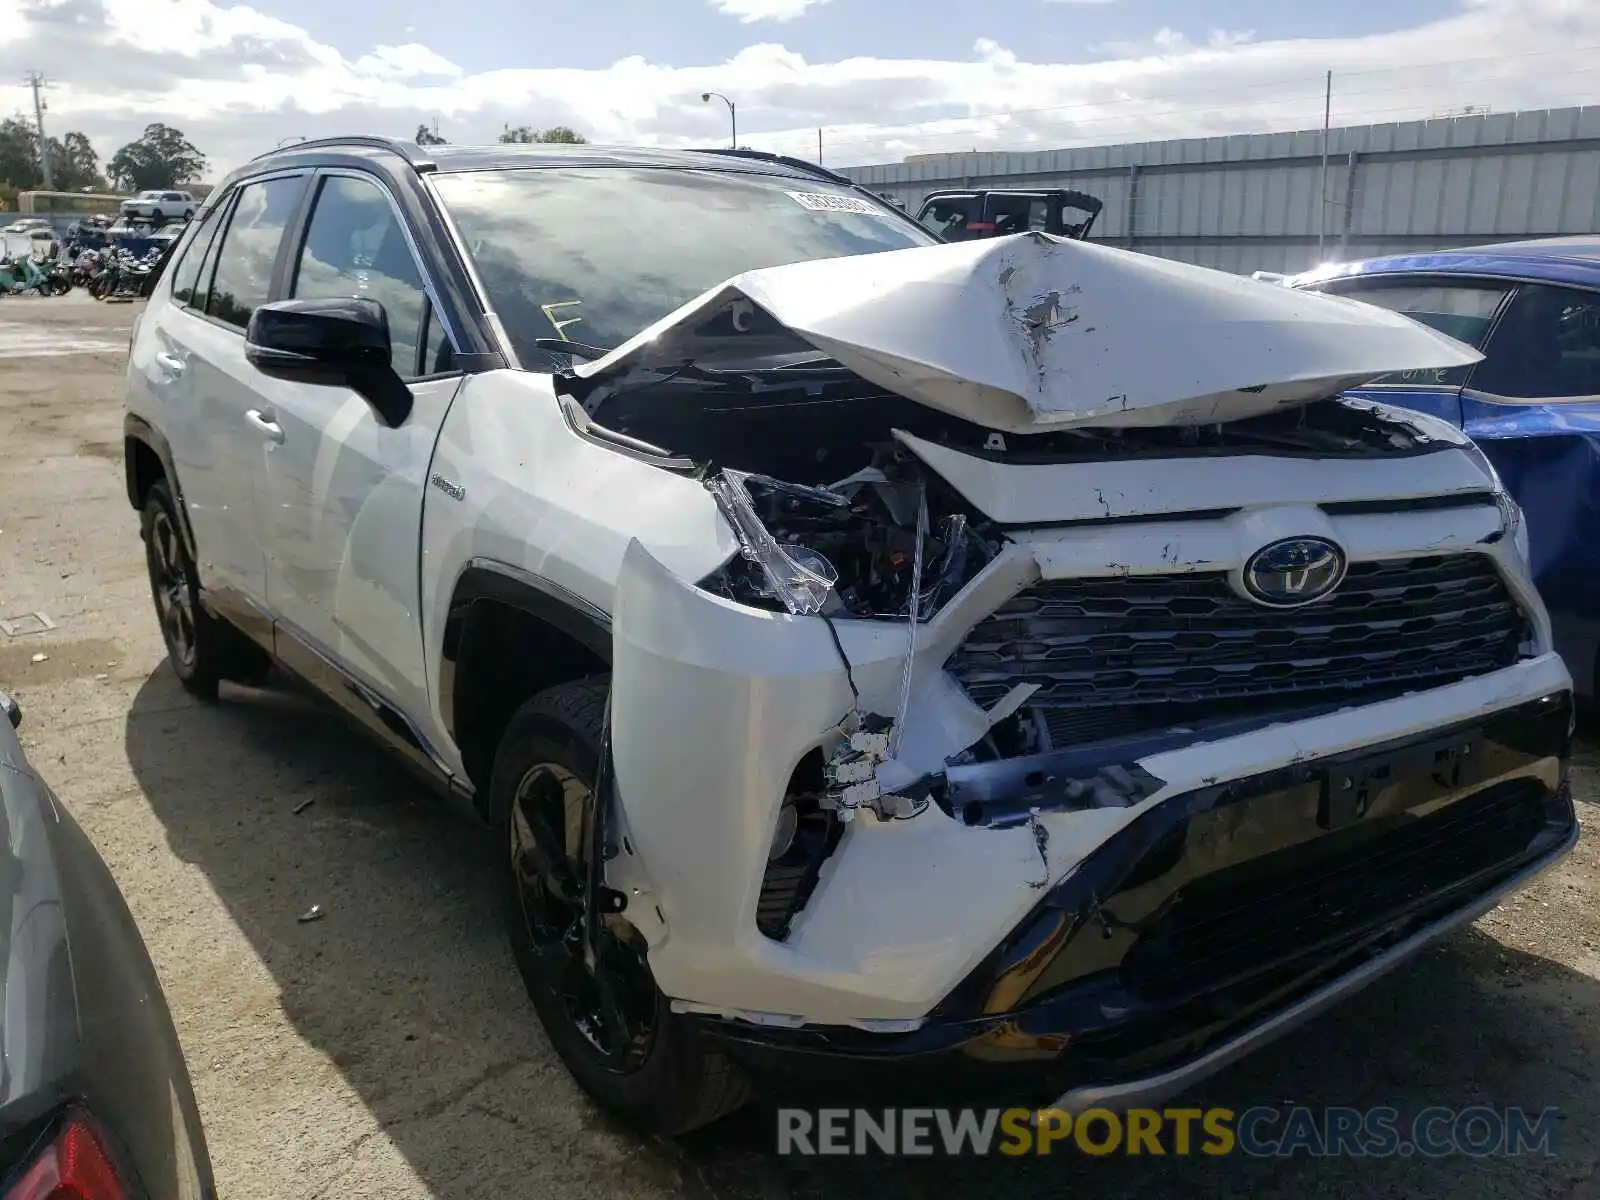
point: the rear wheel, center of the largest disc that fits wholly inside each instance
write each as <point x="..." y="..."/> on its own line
<point x="203" y="650"/>
<point x="603" y="1013"/>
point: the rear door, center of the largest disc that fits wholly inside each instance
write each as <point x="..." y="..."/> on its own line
<point x="345" y="490"/>
<point x="1463" y="308"/>
<point x="217" y="431"/>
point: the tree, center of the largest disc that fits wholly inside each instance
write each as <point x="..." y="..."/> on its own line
<point x="427" y="137"/>
<point x="75" y="164"/>
<point x="161" y="157"/>
<point x="556" y="133"/>
<point x="19" y="154"/>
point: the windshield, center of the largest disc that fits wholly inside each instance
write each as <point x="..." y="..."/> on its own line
<point x="596" y="254"/>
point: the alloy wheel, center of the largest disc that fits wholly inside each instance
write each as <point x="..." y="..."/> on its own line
<point x="169" y="578"/>
<point x="607" y="994"/>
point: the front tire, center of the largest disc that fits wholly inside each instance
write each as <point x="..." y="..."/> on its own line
<point x="202" y="649"/>
<point x="609" y="1023"/>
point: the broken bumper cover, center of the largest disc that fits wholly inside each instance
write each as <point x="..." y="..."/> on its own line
<point x="1218" y="921"/>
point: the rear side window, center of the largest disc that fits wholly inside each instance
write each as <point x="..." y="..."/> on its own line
<point x="1019" y="214"/>
<point x="186" y="272"/>
<point x="243" y="280"/>
<point x="1464" y="311"/>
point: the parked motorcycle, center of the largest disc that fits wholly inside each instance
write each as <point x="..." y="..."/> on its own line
<point x="84" y="266"/>
<point x="120" y="274"/>
<point x="23" y="274"/>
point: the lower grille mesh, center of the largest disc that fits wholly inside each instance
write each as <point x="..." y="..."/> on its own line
<point x="1126" y="655"/>
<point x="1242" y="919"/>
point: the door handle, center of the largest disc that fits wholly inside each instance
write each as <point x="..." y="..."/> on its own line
<point x="169" y="362"/>
<point x="264" y="422"/>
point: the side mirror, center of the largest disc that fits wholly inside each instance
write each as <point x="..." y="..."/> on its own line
<point x="333" y="341"/>
<point x="318" y="340"/>
<point x="11" y="708"/>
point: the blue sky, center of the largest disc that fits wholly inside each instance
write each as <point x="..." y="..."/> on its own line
<point x="883" y="79"/>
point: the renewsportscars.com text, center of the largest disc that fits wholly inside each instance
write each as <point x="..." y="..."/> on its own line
<point x="1261" y="1132"/>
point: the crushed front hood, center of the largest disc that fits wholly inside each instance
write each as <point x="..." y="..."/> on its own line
<point x="1033" y="332"/>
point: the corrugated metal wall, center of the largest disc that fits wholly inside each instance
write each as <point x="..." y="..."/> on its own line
<point x="1250" y="202"/>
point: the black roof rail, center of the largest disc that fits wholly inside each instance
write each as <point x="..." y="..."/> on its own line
<point x="798" y="164"/>
<point x="409" y="151"/>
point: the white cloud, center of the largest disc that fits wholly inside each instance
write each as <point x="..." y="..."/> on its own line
<point x="749" y="11"/>
<point x="237" y="81"/>
<point x="405" y="62"/>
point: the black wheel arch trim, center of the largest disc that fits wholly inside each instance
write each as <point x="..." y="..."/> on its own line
<point x="137" y="429"/>
<point x="485" y="579"/>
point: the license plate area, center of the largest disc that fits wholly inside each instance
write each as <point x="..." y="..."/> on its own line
<point x="1350" y="787"/>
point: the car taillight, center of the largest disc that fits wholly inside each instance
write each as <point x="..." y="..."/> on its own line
<point x="74" y="1166"/>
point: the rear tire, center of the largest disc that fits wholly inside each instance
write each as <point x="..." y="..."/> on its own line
<point x="611" y="1025"/>
<point x="202" y="649"/>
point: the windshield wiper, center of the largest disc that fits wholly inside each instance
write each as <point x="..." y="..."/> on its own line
<point x="575" y="349"/>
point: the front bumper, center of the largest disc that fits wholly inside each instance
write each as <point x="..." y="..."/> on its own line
<point x="1219" y="920"/>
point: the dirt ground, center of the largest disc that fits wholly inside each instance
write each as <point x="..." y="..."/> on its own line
<point x="388" y="1050"/>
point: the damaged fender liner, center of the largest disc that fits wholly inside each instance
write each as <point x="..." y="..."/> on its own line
<point x="1217" y="910"/>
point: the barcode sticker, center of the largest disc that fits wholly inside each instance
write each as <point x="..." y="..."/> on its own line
<point x="832" y="202"/>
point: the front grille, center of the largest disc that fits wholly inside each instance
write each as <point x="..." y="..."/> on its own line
<point x="1305" y="901"/>
<point x="1122" y="656"/>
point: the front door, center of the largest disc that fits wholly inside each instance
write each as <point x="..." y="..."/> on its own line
<point x="345" y="490"/>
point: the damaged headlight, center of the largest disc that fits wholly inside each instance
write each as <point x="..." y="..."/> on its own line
<point x="849" y="549"/>
<point x="794" y="574"/>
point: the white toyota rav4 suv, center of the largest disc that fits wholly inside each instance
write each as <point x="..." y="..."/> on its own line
<point x="995" y="667"/>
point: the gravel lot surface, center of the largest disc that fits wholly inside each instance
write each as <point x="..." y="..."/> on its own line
<point x="388" y="1050"/>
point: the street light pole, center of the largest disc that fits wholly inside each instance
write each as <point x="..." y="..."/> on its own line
<point x="733" y="112"/>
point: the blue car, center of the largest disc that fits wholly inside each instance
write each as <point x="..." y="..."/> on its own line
<point x="1532" y="404"/>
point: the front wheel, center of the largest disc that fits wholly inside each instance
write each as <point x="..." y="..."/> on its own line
<point x="603" y="1013"/>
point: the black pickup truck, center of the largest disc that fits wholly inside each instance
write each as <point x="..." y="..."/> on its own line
<point x="962" y="216"/>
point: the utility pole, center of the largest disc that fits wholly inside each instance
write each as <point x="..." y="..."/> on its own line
<point x="819" y="147"/>
<point x="1322" y="211"/>
<point x="36" y="81"/>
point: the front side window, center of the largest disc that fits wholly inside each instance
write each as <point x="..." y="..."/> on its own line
<point x="1464" y="311"/>
<point x="1547" y="346"/>
<point x="243" y="279"/>
<point x="355" y="247"/>
<point x="597" y="254"/>
<point x="948" y="217"/>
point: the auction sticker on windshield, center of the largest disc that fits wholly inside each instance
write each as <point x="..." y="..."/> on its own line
<point x="829" y="202"/>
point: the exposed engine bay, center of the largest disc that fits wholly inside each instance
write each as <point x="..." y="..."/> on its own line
<point x="805" y="463"/>
<point x="835" y="516"/>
